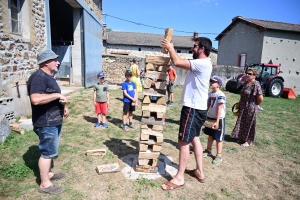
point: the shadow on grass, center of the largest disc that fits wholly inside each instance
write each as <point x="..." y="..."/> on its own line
<point x="120" y="99"/>
<point x="31" y="158"/>
<point x="230" y="139"/>
<point x="114" y="121"/>
<point x="92" y="120"/>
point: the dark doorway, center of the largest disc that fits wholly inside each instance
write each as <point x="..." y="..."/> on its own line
<point x="61" y="21"/>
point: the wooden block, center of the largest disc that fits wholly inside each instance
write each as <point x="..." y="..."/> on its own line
<point x="146" y="169"/>
<point x="18" y="130"/>
<point x="152" y="127"/>
<point x="154" y="92"/>
<point x="23" y="119"/>
<point x="160" y="115"/>
<point x="158" y="128"/>
<point x="149" y="162"/>
<point x="159" y="140"/>
<point x="146" y="113"/>
<point x="102" y="169"/>
<point x="146" y="99"/>
<point x="156" y="147"/>
<point x="96" y="152"/>
<point x="145" y="133"/>
<point x="162" y="68"/>
<point x="154" y="75"/>
<point x="150" y="67"/>
<point x="160" y="85"/>
<point x="152" y="107"/>
<point x="158" y="60"/>
<point x="147" y="83"/>
<point x="168" y="36"/>
<point x="143" y="161"/>
<point x="161" y="101"/>
<point x="143" y="147"/>
<point x="149" y="155"/>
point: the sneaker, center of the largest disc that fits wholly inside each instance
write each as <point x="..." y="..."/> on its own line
<point x="125" y="128"/>
<point x="171" y="104"/>
<point x="97" y="124"/>
<point x="168" y="102"/>
<point x="206" y="153"/>
<point x="131" y="126"/>
<point x="105" y="125"/>
<point x="217" y="160"/>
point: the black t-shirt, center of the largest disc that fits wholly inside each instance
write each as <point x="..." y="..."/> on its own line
<point x="50" y="114"/>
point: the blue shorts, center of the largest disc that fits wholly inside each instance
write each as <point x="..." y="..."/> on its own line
<point x="191" y="121"/>
<point x="49" y="140"/>
<point x="128" y="107"/>
<point x="219" y="134"/>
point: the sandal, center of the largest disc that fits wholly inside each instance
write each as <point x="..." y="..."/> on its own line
<point x="57" y="176"/>
<point x="173" y="186"/>
<point x="52" y="190"/>
<point x="246" y="144"/>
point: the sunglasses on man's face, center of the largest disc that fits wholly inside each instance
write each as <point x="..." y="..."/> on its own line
<point x="250" y="74"/>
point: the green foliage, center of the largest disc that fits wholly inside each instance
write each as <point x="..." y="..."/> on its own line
<point x="18" y="171"/>
<point x="226" y="192"/>
<point x="142" y="183"/>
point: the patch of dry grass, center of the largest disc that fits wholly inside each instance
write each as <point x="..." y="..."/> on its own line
<point x="267" y="170"/>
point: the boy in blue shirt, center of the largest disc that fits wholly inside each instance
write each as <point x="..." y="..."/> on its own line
<point x="101" y="100"/>
<point x="129" y="99"/>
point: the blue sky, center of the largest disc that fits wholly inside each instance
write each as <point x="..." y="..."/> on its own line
<point x="208" y="17"/>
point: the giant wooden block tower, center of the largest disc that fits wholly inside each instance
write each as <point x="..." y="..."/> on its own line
<point x="153" y="111"/>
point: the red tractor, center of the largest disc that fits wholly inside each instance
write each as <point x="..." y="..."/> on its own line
<point x="270" y="81"/>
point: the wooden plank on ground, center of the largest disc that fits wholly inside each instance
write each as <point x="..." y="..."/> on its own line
<point x="96" y="152"/>
<point x="109" y="168"/>
<point x="154" y="92"/>
<point x="158" y="60"/>
<point x="168" y="36"/>
<point x="149" y="155"/>
<point x="153" y="107"/>
<point x="16" y="127"/>
<point x="154" y="75"/>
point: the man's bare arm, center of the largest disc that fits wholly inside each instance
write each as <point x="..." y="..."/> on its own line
<point x="41" y="99"/>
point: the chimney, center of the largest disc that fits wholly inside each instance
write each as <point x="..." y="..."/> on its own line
<point x="195" y="35"/>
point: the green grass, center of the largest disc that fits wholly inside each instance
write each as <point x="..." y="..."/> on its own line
<point x="275" y="152"/>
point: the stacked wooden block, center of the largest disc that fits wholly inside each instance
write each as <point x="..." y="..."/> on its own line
<point x="153" y="114"/>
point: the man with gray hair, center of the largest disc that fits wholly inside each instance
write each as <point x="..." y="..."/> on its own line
<point x="48" y="110"/>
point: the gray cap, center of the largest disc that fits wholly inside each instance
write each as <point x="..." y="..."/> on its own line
<point x="136" y="59"/>
<point x="217" y="79"/>
<point x="45" y="55"/>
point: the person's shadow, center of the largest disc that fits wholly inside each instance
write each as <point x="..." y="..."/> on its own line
<point x="31" y="159"/>
<point x="89" y="119"/>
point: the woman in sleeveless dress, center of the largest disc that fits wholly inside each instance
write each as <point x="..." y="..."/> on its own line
<point x="134" y="68"/>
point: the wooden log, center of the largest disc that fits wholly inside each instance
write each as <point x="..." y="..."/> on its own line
<point x="150" y="67"/>
<point x="149" y="155"/>
<point x="168" y="36"/>
<point x="96" y="152"/>
<point x="109" y="168"/>
<point x="160" y="85"/>
<point x="146" y="169"/>
<point x="158" y="60"/>
<point x="161" y="101"/>
<point x="152" y="107"/>
<point x="154" y="75"/>
<point x="147" y="83"/>
<point x="154" y="92"/>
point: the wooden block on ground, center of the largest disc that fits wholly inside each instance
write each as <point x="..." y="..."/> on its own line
<point x="150" y="67"/>
<point x="96" y="152"/>
<point x="147" y="83"/>
<point x="158" y="60"/>
<point x="168" y="36"/>
<point x="146" y="99"/>
<point x="152" y="107"/>
<point x="154" y="75"/>
<point x="102" y="169"/>
<point x="160" y="85"/>
<point x="146" y="169"/>
<point x="16" y="127"/>
<point x="149" y="155"/>
<point x="154" y="92"/>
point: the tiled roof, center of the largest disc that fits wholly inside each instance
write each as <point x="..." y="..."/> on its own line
<point x="146" y="39"/>
<point x="261" y="24"/>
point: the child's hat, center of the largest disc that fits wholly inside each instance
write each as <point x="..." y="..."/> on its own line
<point x="100" y="75"/>
<point x="217" y="79"/>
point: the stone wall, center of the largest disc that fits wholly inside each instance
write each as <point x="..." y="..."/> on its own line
<point x="18" y="54"/>
<point x="114" y="67"/>
<point x="96" y="7"/>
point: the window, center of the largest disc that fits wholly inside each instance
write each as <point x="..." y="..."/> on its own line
<point x="14" y="6"/>
<point x="178" y="51"/>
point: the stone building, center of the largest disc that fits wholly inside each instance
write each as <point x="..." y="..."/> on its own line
<point x="67" y="27"/>
<point x="259" y="41"/>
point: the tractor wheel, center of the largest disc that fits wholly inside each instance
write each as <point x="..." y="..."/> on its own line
<point x="275" y="88"/>
<point x="231" y="85"/>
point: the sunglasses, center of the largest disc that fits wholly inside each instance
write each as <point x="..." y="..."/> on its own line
<point x="250" y="74"/>
<point x="196" y="45"/>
